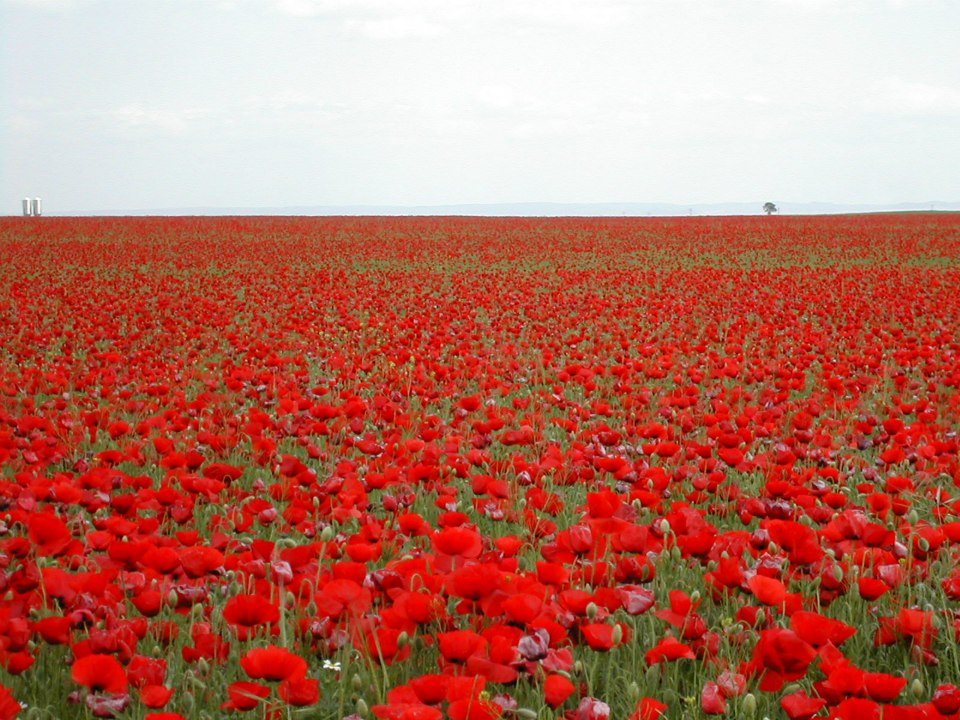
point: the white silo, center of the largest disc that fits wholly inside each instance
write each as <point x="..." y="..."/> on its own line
<point x="37" y="207"/>
<point x="27" y="208"/>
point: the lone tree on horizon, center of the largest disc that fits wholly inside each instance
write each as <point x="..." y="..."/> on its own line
<point x="769" y="208"/>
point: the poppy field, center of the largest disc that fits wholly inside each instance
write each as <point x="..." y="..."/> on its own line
<point x="480" y="468"/>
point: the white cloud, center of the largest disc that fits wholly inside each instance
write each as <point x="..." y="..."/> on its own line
<point x="898" y="96"/>
<point x="395" y="28"/>
<point x="164" y="120"/>
<point x="496" y="96"/>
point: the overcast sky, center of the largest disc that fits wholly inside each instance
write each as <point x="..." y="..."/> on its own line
<point x="133" y="104"/>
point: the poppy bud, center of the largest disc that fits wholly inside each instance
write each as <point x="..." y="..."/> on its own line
<point x="527" y="714"/>
<point x="749" y="705"/>
<point x="676" y="554"/>
<point x="617" y="634"/>
<point x="172" y="598"/>
<point x="773" y="548"/>
<point x="578" y="668"/>
<point x="592" y="610"/>
<point x="837" y="573"/>
<point x="912" y="516"/>
<point x="665" y="526"/>
<point x="357" y="682"/>
<point x="916" y="688"/>
<point x="651" y="677"/>
<point x="203" y="666"/>
<point x="327" y="534"/>
<point x="362" y="709"/>
<point x="924" y="544"/>
<point x="403" y="639"/>
<point x="633" y="692"/>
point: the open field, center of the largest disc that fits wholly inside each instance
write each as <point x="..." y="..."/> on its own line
<point x="424" y="468"/>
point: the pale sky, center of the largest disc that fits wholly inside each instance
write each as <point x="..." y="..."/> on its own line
<point x="138" y="104"/>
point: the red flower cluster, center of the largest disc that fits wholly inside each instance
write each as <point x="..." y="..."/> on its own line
<point x="474" y="464"/>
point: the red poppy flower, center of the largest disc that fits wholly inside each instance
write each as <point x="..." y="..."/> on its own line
<point x="767" y="590"/>
<point x="556" y="690"/>
<point x="430" y="689"/>
<point x="600" y="636"/>
<point x="459" y="541"/>
<point x="649" y="709"/>
<point x="458" y="645"/>
<point x="946" y="699"/>
<point x="712" y="701"/>
<point x="143" y="671"/>
<point x="669" y="649"/>
<point x="800" y="706"/>
<point x="300" y="691"/>
<point x="407" y="711"/>
<point x="818" y="629"/>
<point x="245" y="696"/>
<point x="54" y="630"/>
<point x="9" y="707"/>
<point x="155" y="696"/>
<point x="48" y="533"/>
<point x="780" y="656"/>
<point x="273" y="663"/>
<point x="100" y="673"/>
<point x="247" y="613"/>
<point x="477" y="707"/>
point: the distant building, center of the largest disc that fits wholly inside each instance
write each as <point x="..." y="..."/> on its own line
<point x="32" y="207"/>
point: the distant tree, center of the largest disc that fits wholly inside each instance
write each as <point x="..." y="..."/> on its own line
<point x="769" y="208"/>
